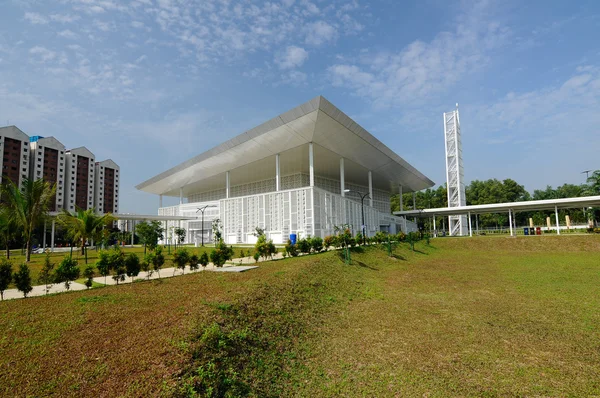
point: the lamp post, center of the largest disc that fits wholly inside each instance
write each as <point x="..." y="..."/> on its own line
<point x="201" y="209"/>
<point x="362" y="208"/>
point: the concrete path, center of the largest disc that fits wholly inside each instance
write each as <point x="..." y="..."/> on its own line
<point x="40" y="290"/>
<point x="235" y="265"/>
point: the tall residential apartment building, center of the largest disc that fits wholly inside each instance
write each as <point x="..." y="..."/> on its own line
<point x="106" y="193"/>
<point x="48" y="162"/>
<point x="79" y="184"/>
<point x="14" y="163"/>
<point x="80" y="181"/>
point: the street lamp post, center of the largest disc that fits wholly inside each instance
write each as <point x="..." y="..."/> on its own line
<point x="362" y="208"/>
<point x="201" y="209"/>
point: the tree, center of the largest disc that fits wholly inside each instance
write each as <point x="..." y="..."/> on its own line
<point x="159" y="260"/>
<point x="179" y="235"/>
<point x="217" y="228"/>
<point x="84" y="225"/>
<point x="22" y="279"/>
<point x="132" y="265"/>
<point x="28" y="206"/>
<point x="103" y="264"/>
<point x="46" y="273"/>
<point x="149" y="233"/>
<point x="117" y="263"/>
<point x="147" y="264"/>
<point x="180" y="258"/>
<point x="593" y="183"/>
<point x="67" y="271"/>
<point x="5" y="275"/>
<point x="88" y="274"/>
<point x="8" y="228"/>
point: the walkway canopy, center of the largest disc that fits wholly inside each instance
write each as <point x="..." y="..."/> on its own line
<point x="531" y="205"/>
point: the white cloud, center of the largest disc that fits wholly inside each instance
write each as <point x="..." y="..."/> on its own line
<point x="320" y="32"/>
<point x="35" y="18"/>
<point x="42" y="54"/>
<point x="67" y="34"/>
<point x="421" y="69"/>
<point x="293" y="57"/>
<point x="64" y="18"/>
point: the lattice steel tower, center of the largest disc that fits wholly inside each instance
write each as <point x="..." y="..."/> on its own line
<point x="455" y="174"/>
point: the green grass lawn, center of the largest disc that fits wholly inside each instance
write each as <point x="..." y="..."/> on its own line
<point x="462" y="317"/>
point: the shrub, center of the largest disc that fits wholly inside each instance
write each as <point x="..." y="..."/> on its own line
<point x="317" y="244"/>
<point x="159" y="260"/>
<point x="103" y="264"/>
<point x="88" y="273"/>
<point x="180" y="258"/>
<point x="221" y="254"/>
<point x="359" y="238"/>
<point x="194" y="262"/>
<point x="67" y="271"/>
<point x="265" y="248"/>
<point x="22" y="279"/>
<point x="203" y="259"/>
<point x="291" y="249"/>
<point x="256" y="256"/>
<point x="380" y="237"/>
<point x="5" y="275"/>
<point x="132" y="265"/>
<point x="400" y="236"/>
<point x="329" y="241"/>
<point x="304" y="245"/>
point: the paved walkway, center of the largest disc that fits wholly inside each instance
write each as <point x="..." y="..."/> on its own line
<point x="235" y="265"/>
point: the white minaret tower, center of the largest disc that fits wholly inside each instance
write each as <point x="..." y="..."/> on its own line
<point x="455" y="174"/>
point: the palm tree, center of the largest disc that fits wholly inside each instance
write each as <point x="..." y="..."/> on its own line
<point x="84" y="225"/>
<point x="29" y="205"/>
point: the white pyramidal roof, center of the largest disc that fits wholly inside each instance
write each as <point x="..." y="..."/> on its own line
<point x="316" y="121"/>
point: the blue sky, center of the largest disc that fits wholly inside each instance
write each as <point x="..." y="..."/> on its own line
<point x="151" y="83"/>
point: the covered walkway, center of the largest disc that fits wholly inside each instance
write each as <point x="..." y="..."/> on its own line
<point x="510" y="207"/>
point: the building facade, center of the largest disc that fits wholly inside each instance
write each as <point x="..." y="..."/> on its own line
<point x="48" y="162"/>
<point x="305" y="172"/>
<point x="80" y="179"/>
<point x="14" y="163"/>
<point x="73" y="171"/>
<point x="106" y="192"/>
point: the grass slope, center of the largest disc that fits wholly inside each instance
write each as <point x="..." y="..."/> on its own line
<point x="482" y="316"/>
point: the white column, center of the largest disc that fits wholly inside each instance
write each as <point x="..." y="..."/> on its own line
<point x="414" y="195"/>
<point x="227" y="186"/>
<point x="434" y="227"/>
<point x="510" y="224"/>
<point x="160" y="201"/>
<point x="181" y="195"/>
<point x="477" y="223"/>
<point x="132" y="231"/>
<point x="557" y="224"/>
<point x="44" y="240"/>
<point x="342" y="178"/>
<point x="370" y="188"/>
<point x="277" y="174"/>
<point x="311" y="165"/>
<point x="401" y="200"/>
<point x="470" y="226"/>
<point x="52" y="236"/>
